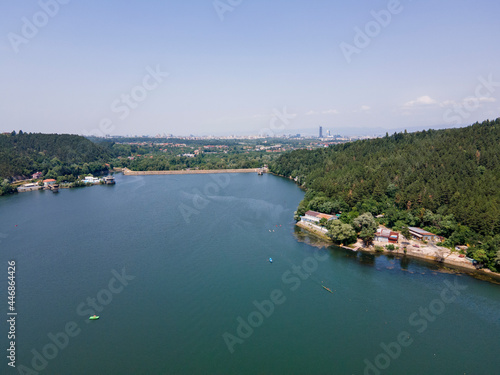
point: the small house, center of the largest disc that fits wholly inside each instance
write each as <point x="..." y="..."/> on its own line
<point x="48" y="182"/>
<point x="423" y="235"/>
<point x="386" y="235"/>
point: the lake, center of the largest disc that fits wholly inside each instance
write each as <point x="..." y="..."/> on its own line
<point x="177" y="267"/>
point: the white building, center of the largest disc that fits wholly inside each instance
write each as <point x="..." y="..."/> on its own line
<point x="91" y="180"/>
<point x="314" y="217"/>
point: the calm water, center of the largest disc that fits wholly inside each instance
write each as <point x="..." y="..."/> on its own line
<point x="195" y="253"/>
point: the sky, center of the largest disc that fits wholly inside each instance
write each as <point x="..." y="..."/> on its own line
<point x="247" y="67"/>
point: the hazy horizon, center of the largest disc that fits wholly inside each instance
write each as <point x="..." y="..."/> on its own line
<point x="241" y="67"/>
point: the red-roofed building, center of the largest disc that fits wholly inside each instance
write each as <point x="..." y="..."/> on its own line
<point x="49" y="181"/>
<point x="386" y="235"/>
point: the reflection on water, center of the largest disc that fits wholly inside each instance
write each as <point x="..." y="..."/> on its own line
<point x="304" y="236"/>
<point x="405" y="262"/>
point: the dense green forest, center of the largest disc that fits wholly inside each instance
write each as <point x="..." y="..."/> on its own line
<point x="203" y="161"/>
<point x="54" y="155"/>
<point x="446" y="181"/>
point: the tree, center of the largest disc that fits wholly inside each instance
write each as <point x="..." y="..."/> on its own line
<point x="405" y="231"/>
<point x="6" y="187"/>
<point x="328" y="207"/>
<point x="461" y="236"/>
<point x="301" y="210"/>
<point x="341" y="233"/>
<point x="366" y="226"/>
<point x="391" y="190"/>
<point x="316" y="203"/>
<point x="333" y="206"/>
<point x="367" y="236"/>
<point x="348" y="217"/>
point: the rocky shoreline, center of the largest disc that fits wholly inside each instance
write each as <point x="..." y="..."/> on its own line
<point x="427" y="252"/>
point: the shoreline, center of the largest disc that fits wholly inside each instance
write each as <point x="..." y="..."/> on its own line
<point x="128" y="172"/>
<point x="457" y="264"/>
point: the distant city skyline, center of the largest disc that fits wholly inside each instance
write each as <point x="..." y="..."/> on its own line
<point x="247" y="67"/>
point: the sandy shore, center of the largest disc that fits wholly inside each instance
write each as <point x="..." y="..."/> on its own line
<point x="128" y="172"/>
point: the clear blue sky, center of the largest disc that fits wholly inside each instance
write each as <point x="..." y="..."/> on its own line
<point x="229" y="72"/>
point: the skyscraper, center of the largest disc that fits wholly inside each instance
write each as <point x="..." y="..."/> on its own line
<point x="321" y="132"/>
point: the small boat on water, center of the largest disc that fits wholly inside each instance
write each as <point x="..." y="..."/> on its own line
<point x="327" y="289"/>
<point x="270" y="260"/>
<point x="94" y="317"/>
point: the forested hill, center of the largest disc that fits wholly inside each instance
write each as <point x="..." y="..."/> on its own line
<point x="53" y="154"/>
<point x="414" y="178"/>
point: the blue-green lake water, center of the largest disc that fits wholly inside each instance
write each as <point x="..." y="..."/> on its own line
<point x="174" y="264"/>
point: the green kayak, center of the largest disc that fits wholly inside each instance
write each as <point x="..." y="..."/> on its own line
<point x="94" y="317"/>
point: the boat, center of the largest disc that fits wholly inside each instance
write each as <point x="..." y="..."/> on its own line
<point x="270" y="260"/>
<point x="94" y="317"/>
<point x="327" y="289"/>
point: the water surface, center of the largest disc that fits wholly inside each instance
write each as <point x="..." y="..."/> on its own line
<point x="197" y="247"/>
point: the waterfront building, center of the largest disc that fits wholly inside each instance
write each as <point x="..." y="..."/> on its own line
<point x="423" y="235"/>
<point x="386" y="235"/>
<point x="314" y="217"/>
<point x="48" y="182"/>
<point x="91" y="180"/>
<point x="109" y="180"/>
